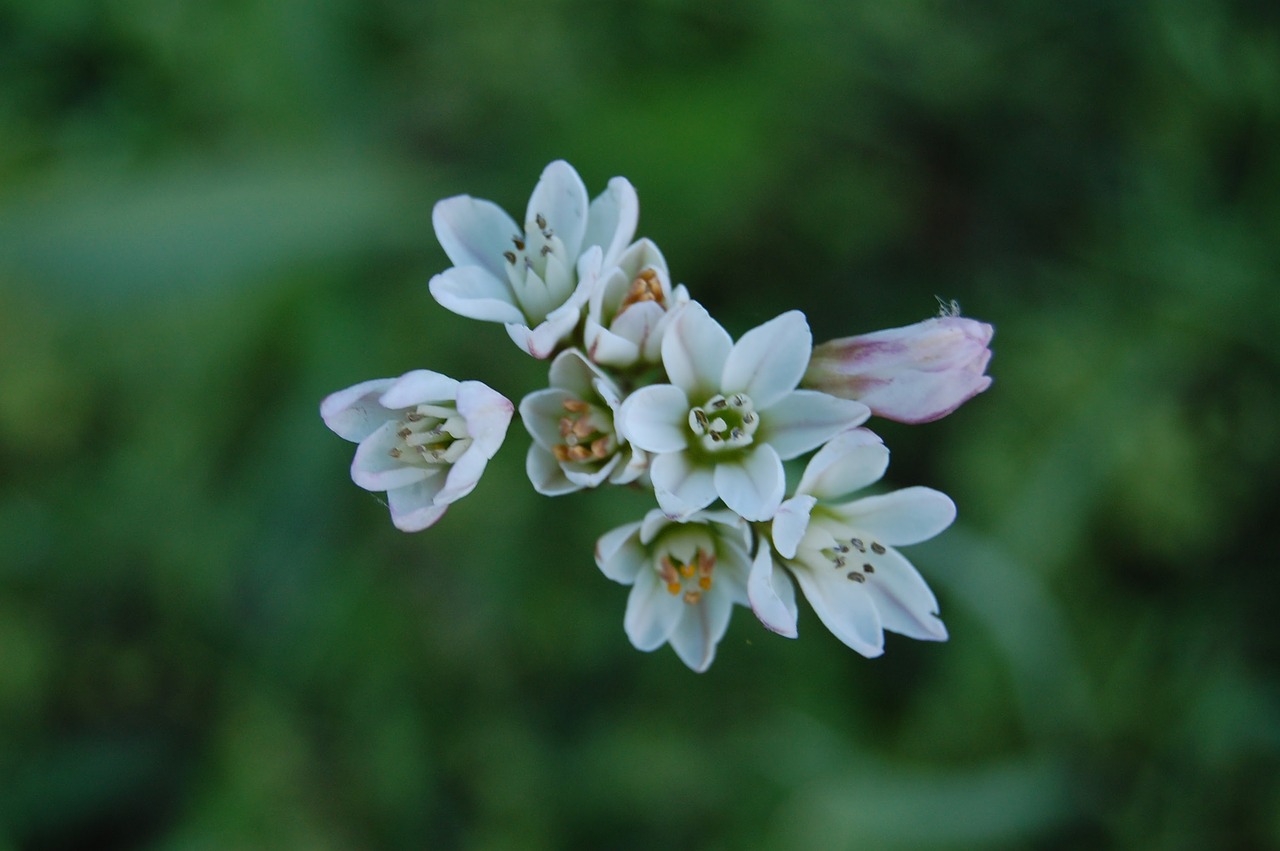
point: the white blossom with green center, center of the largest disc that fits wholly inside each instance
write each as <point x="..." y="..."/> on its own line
<point x="843" y="553"/>
<point x="534" y="278"/>
<point x="731" y="414"/>
<point x="685" y="579"/>
<point x="424" y="438"/>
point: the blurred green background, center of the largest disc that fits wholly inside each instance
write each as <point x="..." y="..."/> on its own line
<point x="213" y="214"/>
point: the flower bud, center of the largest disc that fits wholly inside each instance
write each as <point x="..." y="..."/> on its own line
<point x="915" y="374"/>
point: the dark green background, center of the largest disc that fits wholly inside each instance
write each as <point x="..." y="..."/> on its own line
<point x="213" y="214"/>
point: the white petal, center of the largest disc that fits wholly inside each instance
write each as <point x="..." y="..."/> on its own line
<point x="541" y="412"/>
<point x="902" y="597"/>
<point x="561" y="198"/>
<point x="652" y="612"/>
<point x="573" y="372"/>
<point x="849" y="462"/>
<point x="768" y="362"/>
<point x="806" y="419"/>
<point x="606" y="347"/>
<point x="464" y="475"/>
<point x="612" y="218"/>
<point x="418" y="386"/>
<point x="373" y="467"/>
<point x="413" y="507"/>
<point x="655" y="418"/>
<point x="681" y="486"/>
<point x="487" y="412"/>
<point x="541" y="341"/>
<point x="474" y="232"/>
<point x="475" y="293"/>
<point x="694" y="350"/>
<point x="619" y="554"/>
<point x="545" y="473"/>
<point x="695" y="637"/>
<point x="901" y="517"/>
<point x="752" y="484"/>
<point x="844" y="606"/>
<point x="790" y="523"/>
<point x="354" y="413"/>
<point x="772" y="596"/>
<point x="654" y="522"/>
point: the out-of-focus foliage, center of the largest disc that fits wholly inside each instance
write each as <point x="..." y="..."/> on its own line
<point x="213" y="214"/>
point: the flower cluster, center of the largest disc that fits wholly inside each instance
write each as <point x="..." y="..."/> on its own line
<point x="647" y="390"/>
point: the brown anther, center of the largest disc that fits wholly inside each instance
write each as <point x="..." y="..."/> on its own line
<point x="704" y="582"/>
<point x="668" y="572"/>
<point x="868" y="568"/>
<point x="692" y="597"/>
<point x="877" y="548"/>
<point x="673" y="588"/>
<point x="687" y="570"/>
<point x="540" y="221"/>
<point x="583" y="427"/>
<point x="575" y="406"/>
<point x="511" y="257"/>
<point x="858" y="545"/>
<point x="706" y="562"/>
<point x="546" y="249"/>
<point x="414" y="416"/>
<point x="856" y="576"/>
<point x="519" y="243"/>
<point x="720" y="404"/>
<point x="404" y="432"/>
<point x="393" y="452"/>
<point x="566" y="426"/>
<point x="561" y="452"/>
<point x="645" y="287"/>
<point x="600" y="448"/>
<point x="579" y="453"/>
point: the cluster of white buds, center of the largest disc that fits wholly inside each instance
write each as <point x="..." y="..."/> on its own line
<point x="646" y="389"/>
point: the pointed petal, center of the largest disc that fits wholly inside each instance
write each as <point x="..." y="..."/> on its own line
<point x="901" y="517"/>
<point x="373" y="467"/>
<point x="545" y="473"/>
<point x="681" y="486"/>
<point x="652" y="612"/>
<point x="790" y="523"/>
<point x="903" y="598"/>
<point x="772" y="595"/>
<point x="590" y="475"/>
<point x="753" y="484"/>
<point x="694" y="350"/>
<point x="561" y="198"/>
<point x="475" y="293"/>
<point x="619" y="554"/>
<point x="413" y="507"/>
<point x="463" y="476"/>
<point x="768" y="362"/>
<point x="806" y="419"/>
<point x="700" y="629"/>
<point x="541" y="411"/>
<point x="418" y="386"/>
<point x="612" y="218"/>
<point x="354" y="413"/>
<point x="844" y="607"/>
<point x="606" y="347"/>
<point x="487" y="412"/>
<point x="474" y="232"/>
<point x="849" y="462"/>
<point x="655" y="418"/>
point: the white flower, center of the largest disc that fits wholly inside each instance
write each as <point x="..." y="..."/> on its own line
<point x="424" y="438"/>
<point x="630" y="307"/>
<point x="536" y="278"/>
<point x="684" y="578"/>
<point x="575" y="445"/>
<point x="731" y="414"/>
<point x="843" y="553"/>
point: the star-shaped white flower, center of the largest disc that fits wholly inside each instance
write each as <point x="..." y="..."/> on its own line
<point x="533" y="278"/>
<point x="731" y="414"/>
<point x="575" y="444"/>
<point x="630" y="308"/>
<point x="843" y="554"/>
<point x="684" y="578"/>
<point x="424" y="438"/>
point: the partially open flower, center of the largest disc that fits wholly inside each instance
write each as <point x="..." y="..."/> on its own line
<point x="915" y="374"/>
<point x="424" y="438"/>
<point x="630" y="308"/>
<point x="843" y="553"/>
<point x="533" y="278"/>
<point x="575" y="444"/>
<point x="684" y="578"/>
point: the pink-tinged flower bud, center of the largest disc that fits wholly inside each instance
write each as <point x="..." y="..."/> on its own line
<point x="915" y="374"/>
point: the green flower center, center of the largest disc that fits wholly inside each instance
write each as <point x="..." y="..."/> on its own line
<point x="430" y="435"/>
<point x="724" y="423"/>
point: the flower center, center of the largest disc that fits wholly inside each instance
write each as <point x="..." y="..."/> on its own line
<point x="723" y="423"/>
<point x="539" y="271"/>
<point x="856" y="551"/>
<point x="690" y="578"/>
<point x="430" y="435"/>
<point x="645" y="287"/>
<point x="587" y="431"/>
